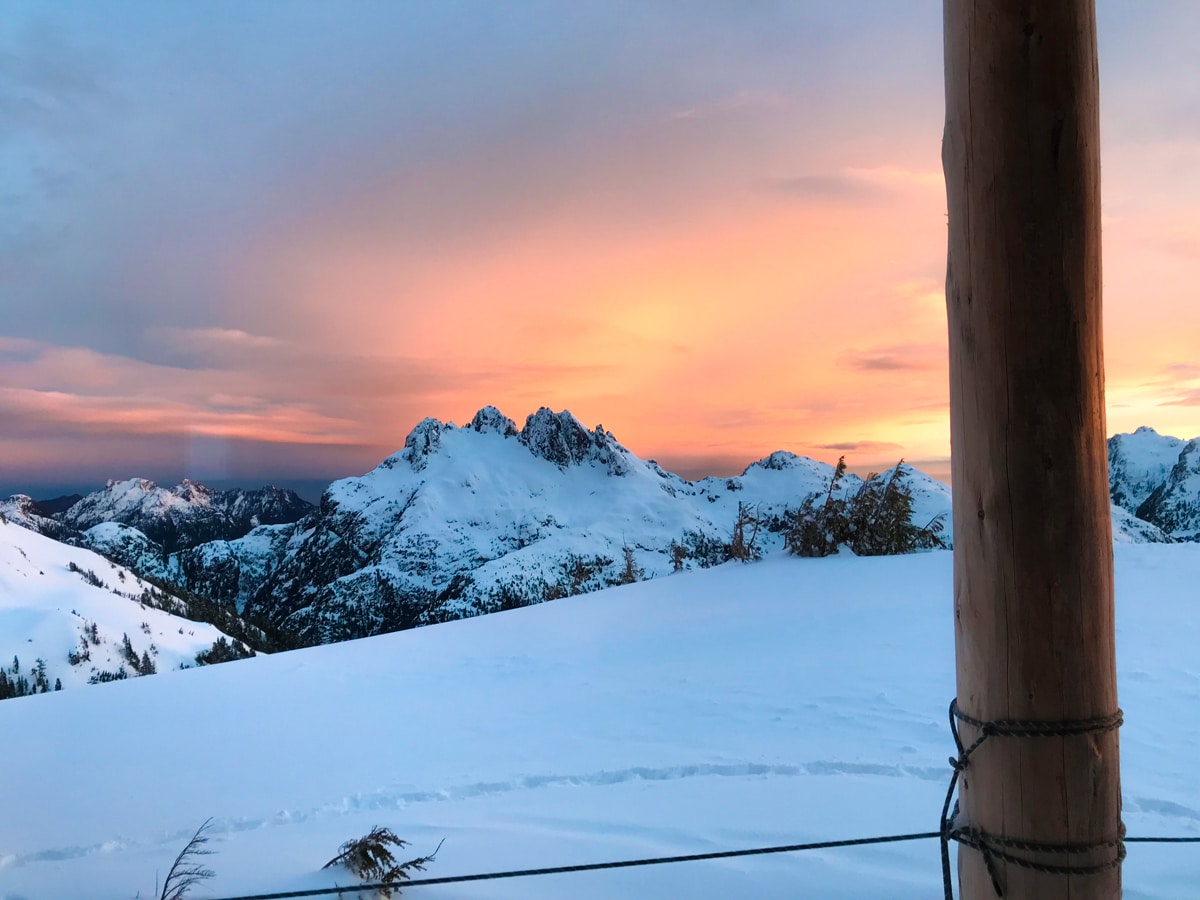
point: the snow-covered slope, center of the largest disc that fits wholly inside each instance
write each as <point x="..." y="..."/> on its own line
<point x="71" y="609"/>
<point x="1138" y="463"/>
<point x="747" y="705"/>
<point x="1129" y="529"/>
<point x="186" y="515"/>
<point x="471" y="520"/>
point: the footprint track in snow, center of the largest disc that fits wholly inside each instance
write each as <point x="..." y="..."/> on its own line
<point x="392" y="799"/>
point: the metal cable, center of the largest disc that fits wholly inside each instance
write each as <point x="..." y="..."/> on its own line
<point x="593" y="867"/>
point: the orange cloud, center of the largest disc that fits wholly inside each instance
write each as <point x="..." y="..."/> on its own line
<point x="702" y="318"/>
<point x="151" y="416"/>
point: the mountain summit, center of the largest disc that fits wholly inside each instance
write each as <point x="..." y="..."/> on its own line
<point x="487" y="517"/>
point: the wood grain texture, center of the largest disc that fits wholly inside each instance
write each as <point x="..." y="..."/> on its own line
<point x="1033" y="577"/>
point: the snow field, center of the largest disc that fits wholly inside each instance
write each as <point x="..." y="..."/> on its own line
<point x="783" y="701"/>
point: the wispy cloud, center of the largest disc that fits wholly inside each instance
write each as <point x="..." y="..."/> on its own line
<point x="896" y="358"/>
<point x="1189" y="398"/>
<point x="861" y="446"/>
<point x="211" y="339"/>
<point x="855" y="185"/>
<point x="138" y="414"/>
<point x="277" y="394"/>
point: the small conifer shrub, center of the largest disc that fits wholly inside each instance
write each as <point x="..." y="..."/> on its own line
<point x="370" y="859"/>
<point x="875" y="521"/>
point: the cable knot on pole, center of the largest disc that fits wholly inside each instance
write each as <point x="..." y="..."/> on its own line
<point x="994" y="847"/>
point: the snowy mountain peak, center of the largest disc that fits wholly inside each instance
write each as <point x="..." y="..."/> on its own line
<point x="1138" y="463"/>
<point x="145" y="485"/>
<point x="465" y="521"/>
<point x="194" y="492"/>
<point x="779" y="461"/>
<point x="490" y="420"/>
<point x="425" y="439"/>
<point x="563" y="440"/>
<point x="558" y="437"/>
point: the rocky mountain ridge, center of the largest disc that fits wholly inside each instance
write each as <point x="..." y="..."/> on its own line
<point x="485" y="517"/>
<point x="488" y="516"/>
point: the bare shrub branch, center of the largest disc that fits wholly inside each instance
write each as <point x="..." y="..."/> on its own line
<point x="187" y="872"/>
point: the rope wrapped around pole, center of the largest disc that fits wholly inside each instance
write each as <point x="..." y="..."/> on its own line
<point x="993" y="847"/>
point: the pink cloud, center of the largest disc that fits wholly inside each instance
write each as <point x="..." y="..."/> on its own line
<point x="151" y="416"/>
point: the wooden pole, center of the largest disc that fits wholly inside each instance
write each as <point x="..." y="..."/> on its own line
<point x="1033" y="579"/>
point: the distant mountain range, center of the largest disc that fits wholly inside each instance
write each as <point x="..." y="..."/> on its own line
<point x="485" y="517"/>
<point x="184" y="516"/>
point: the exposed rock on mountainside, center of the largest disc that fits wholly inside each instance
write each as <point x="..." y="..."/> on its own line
<point x="126" y="545"/>
<point x="490" y="420"/>
<point x="230" y="572"/>
<point x="1174" y="506"/>
<point x="562" y="439"/>
<point x="1157" y="478"/>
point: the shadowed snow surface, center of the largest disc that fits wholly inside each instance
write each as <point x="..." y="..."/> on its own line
<point x="788" y="700"/>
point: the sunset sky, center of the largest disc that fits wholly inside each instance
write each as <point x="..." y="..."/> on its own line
<point x="252" y="241"/>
